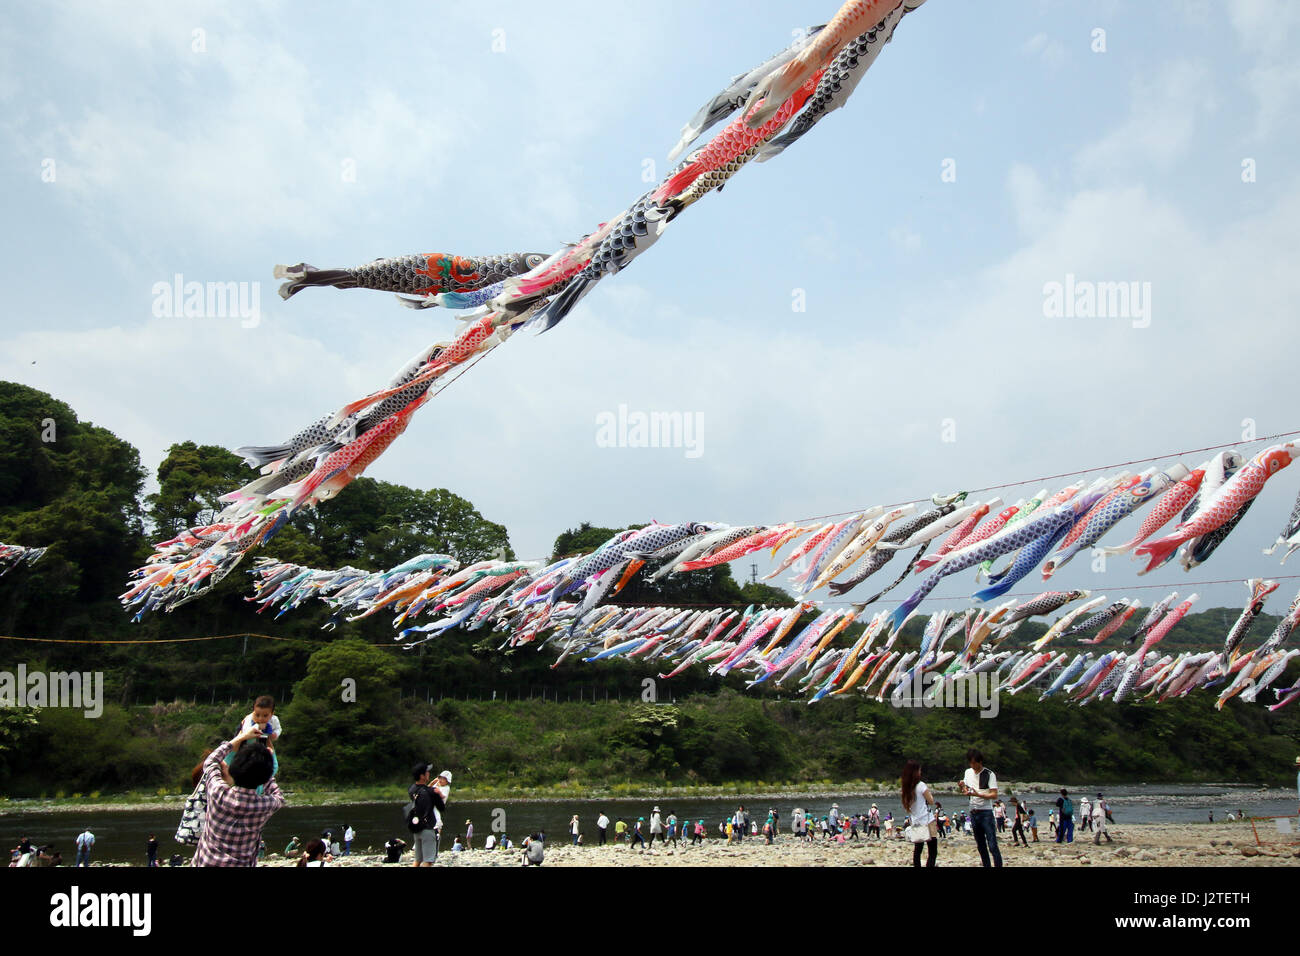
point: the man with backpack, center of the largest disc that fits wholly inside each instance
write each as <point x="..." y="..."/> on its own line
<point x="1065" y="821"/>
<point x="423" y="814"/>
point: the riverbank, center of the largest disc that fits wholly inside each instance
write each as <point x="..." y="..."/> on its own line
<point x="1136" y="845"/>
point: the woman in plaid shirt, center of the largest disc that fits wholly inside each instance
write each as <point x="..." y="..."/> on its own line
<point x="236" y="812"/>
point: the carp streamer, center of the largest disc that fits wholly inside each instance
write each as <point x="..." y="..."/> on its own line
<point x="12" y="555"/>
<point x="765" y="111"/>
<point x="567" y="601"/>
<point x="506" y="292"/>
<point x="563" y="603"/>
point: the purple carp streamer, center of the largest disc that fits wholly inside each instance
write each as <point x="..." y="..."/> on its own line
<point x="13" y="555"/>
<point x="503" y="293"/>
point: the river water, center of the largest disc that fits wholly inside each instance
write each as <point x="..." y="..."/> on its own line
<point x="120" y="835"/>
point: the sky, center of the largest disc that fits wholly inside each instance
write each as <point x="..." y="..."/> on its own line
<point x="863" y="319"/>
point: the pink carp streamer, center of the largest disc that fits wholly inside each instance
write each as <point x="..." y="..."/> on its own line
<point x="506" y="292"/>
<point x="853" y="18"/>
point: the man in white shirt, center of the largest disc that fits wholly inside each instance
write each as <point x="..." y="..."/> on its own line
<point x="602" y="825"/>
<point x="981" y="785"/>
<point x="1099" y="821"/>
<point x="348" y="835"/>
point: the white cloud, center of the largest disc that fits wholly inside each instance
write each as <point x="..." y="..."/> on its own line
<point x="1029" y="198"/>
<point x="1277" y="89"/>
<point x="1049" y="50"/>
<point x="905" y="239"/>
<point x="1165" y="110"/>
<point x="1265" y="27"/>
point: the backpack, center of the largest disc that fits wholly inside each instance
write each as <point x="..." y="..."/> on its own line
<point x="1067" y="808"/>
<point x="193" y="816"/>
<point x="415" y="823"/>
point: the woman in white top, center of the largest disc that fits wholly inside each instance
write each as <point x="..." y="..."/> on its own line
<point x="918" y="802"/>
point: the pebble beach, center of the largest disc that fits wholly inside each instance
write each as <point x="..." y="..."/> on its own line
<point x="1136" y="845"/>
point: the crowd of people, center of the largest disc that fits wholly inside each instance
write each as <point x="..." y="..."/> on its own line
<point x="924" y="822"/>
<point x="235" y="794"/>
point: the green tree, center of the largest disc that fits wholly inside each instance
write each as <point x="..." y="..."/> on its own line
<point x="343" y="722"/>
<point x="75" y="488"/>
<point x="16" y="726"/>
<point x="191" y="480"/>
<point x="378" y="525"/>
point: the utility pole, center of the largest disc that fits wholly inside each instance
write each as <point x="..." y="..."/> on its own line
<point x="753" y="574"/>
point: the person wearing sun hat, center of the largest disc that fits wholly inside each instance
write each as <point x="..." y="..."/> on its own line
<point x="442" y="785"/>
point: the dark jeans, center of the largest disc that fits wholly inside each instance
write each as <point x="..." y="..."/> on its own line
<point x="601" y="831"/>
<point x="986" y="836"/>
<point x="1018" y="834"/>
<point x="932" y="844"/>
<point x="1065" y="830"/>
